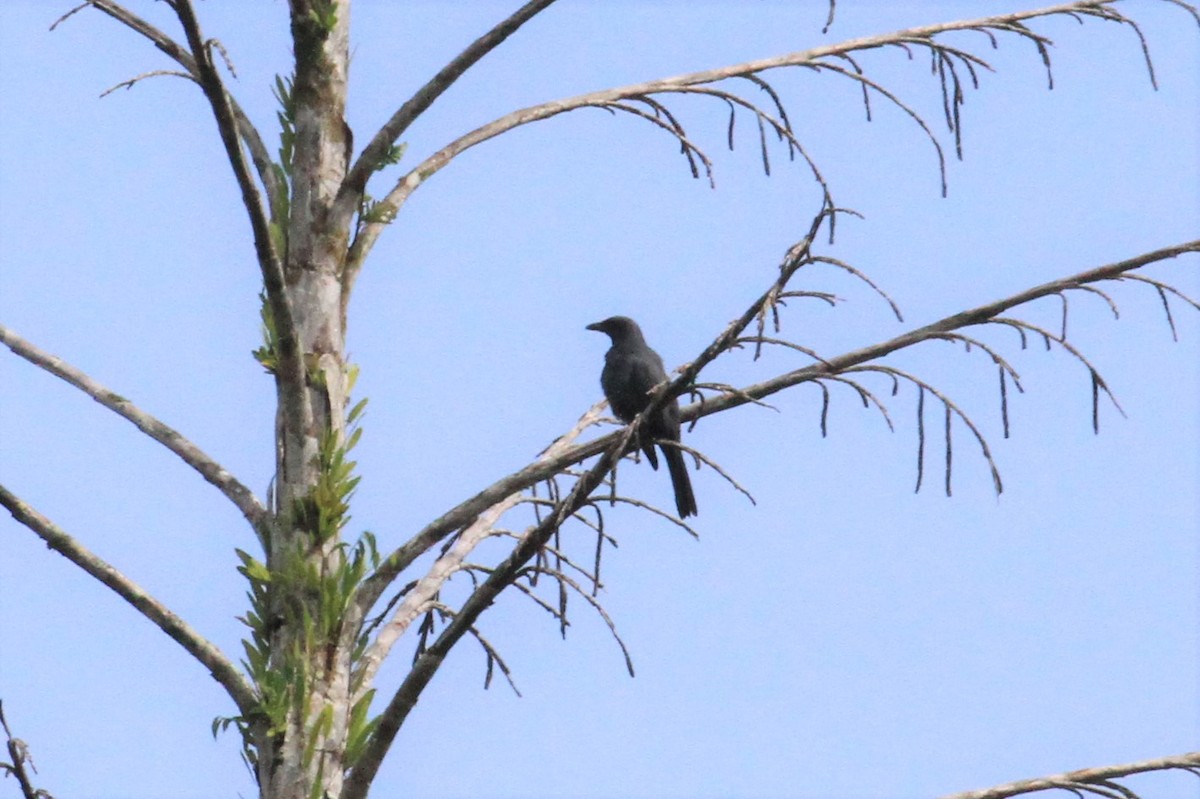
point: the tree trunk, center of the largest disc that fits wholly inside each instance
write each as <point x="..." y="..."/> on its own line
<point x="310" y="643"/>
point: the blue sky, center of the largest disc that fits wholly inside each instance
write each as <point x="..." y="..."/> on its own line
<point x="844" y="636"/>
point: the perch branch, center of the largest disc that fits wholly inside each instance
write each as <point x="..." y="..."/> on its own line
<point x="402" y="557"/>
<point x="553" y="463"/>
<point x="612" y="447"/>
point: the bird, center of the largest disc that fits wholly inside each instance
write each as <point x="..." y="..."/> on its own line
<point x="631" y="371"/>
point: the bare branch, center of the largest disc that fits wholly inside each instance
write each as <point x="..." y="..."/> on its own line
<point x="564" y="578"/>
<point x="180" y="55"/>
<point x="490" y="652"/>
<point x="617" y="499"/>
<point x="493" y="658"/>
<point x="562" y="559"/>
<point x="1094" y="780"/>
<point x="372" y="155"/>
<point x="686" y="146"/>
<point x="221" y="669"/>
<point x="233" y="123"/>
<point x="867" y="397"/>
<point x="611" y="447"/>
<point x="758" y="341"/>
<point x="824" y="259"/>
<point x="1098" y="382"/>
<point x="70" y="14"/>
<point x="780" y="126"/>
<point x="170" y="438"/>
<point x="1163" y="290"/>
<point x="896" y="101"/>
<point x="528" y="590"/>
<point x="817" y="58"/>
<point x="829" y="19"/>
<point x="797" y="257"/>
<point x="533" y="542"/>
<point x="127" y="18"/>
<point x="997" y="358"/>
<point x="291" y="372"/>
<point x="725" y="388"/>
<point x="974" y="316"/>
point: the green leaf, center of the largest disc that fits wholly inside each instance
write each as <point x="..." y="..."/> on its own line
<point x="368" y="540"/>
<point x="391" y="156"/>
<point x="320" y="728"/>
<point x="256" y="659"/>
<point x="254" y="569"/>
<point x="220" y="724"/>
<point x="278" y="237"/>
<point x="356" y="412"/>
<point x="360" y="728"/>
<point x="381" y="212"/>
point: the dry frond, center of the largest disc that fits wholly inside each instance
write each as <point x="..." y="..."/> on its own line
<point x="951" y="409"/>
<point x="954" y="68"/>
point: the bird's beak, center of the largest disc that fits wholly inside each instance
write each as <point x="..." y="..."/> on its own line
<point x="598" y="326"/>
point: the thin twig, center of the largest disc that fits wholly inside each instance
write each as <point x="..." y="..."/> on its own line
<point x="1098" y="382"/>
<point x="951" y="408"/>
<point x="716" y="467"/>
<point x="176" y="52"/>
<point x="19" y="757"/>
<point x="154" y="73"/>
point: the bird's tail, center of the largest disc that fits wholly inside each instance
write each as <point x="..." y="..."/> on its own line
<point x="685" y="500"/>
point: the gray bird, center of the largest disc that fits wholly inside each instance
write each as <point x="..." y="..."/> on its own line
<point x="631" y="370"/>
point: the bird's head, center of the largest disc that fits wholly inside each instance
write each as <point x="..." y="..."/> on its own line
<point x="619" y="328"/>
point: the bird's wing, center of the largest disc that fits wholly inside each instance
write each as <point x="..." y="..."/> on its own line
<point x="627" y="381"/>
